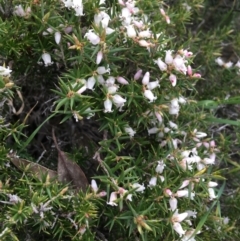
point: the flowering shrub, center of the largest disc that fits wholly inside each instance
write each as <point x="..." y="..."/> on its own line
<point x="117" y="67"/>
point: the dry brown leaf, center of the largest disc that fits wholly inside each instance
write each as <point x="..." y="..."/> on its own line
<point x="69" y="171"/>
<point x="33" y="168"/>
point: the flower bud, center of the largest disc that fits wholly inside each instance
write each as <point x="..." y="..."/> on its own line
<point x="57" y="37"/>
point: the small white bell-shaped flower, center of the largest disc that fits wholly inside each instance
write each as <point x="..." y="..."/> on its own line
<point x="113" y="198"/>
<point x="99" y="57"/>
<point x="92" y="37"/>
<point x="57" y="37"/>
<point x="107" y="105"/>
<point x="162" y="66"/>
<point x="146" y="78"/>
<point x="149" y="95"/>
<point x="47" y="59"/>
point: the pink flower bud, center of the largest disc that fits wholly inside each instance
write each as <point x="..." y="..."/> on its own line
<point x="196" y="75"/>
<point x="173" y="79"/>
<point x="122" y="81"/>
<point x="162" y="12"/>
<point x="138" y="74"/>
<point x="168" y="192"/>
<point x="189" y="70"/>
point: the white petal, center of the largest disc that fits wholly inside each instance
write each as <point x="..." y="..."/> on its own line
<point x="57" y="37"/>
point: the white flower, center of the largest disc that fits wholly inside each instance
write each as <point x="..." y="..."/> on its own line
<point x="138" y="24"/>
<point x="173" y="125"/>
<point x="57" y="37"/>
<point x="149" y="95"/>
<point x="153" y="182"/>
<point x="47" y="59"/>
<point x="84" y="87"/>
<point x="185" y="193"/>
<point x="199" y="134"/>
<point x="191" y="213"/>
<point x="19" y="11"/>
<point x="160" y="167"/>
<point x="237" y="64"/>
<point x="110" y="81"/>
<point x="145" y="34"/>
<point x="92" y="37"/>
<point x="184" y="184"/>
<point x="173" y="79"/>
<point x="118" y="100"/>
<point x="162" y="66"/>
<point x="153" y="130"/>
<point x="108" y="105"/>
<point x="113" y="198"/>
<point x="212" y="184"/>
<point x="226" y="220"/>
<point x="139" y="187"/>
<point x="152" y="85"/>
<point x="14" y="199"/>
<point x="178" y="228"/>
<point x="131" y="32"/>
<point x="47" y="32"/>
<point x="102" y="70"/>
<point x="78" y="7"/>
<point x="162" y="178"/>
<point x="168" y="57"/>
<point x="91" y="82"/>
<point x="130" y="131"/>
<point x="5" y="71"/>
<point x="146" y="78"/>
<point x="68" y="3"/>
<point x="219" y="61"/>
<point x="228" y="65"/>
<point x="112" y="89"/>
<point x="94" y="186"/>
<point x="100" y="79"/>
<point x="89" y="112"/>
<point x="99" y="57"/>
<point x="179" y="64"/>
<point x="182" y="100"/>
<point x="174" y="107"/>
<point x="173" y="204"/>
<point x="102" y="18"/>
<point x="188" y="235"/>
<point x="144" y="43"/>
<point x="211" y="193"/>
<point x="178" y="217"/>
